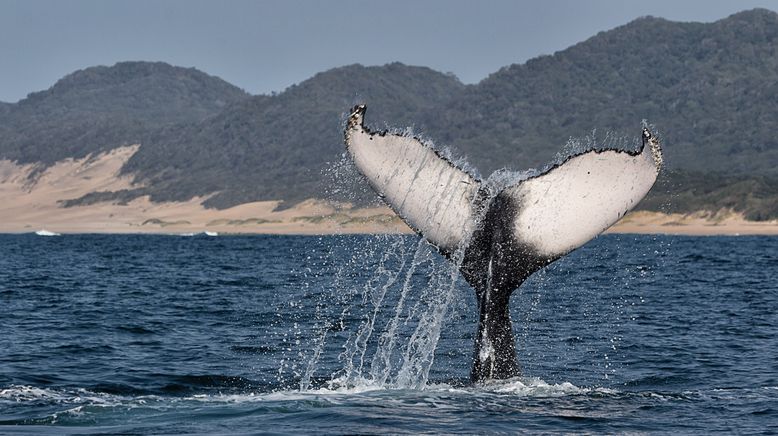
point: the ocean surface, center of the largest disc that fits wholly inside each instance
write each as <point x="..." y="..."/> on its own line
<point x="106" y="334"/>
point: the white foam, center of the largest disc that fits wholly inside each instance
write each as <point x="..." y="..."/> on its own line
<point x="334" y="391"/>
<point x="29" y="393"/>
<point x="25" y="394"/>
<point x="519" y="386"/>
<point x="44" y="232"/>
<point x="536" y="387"/>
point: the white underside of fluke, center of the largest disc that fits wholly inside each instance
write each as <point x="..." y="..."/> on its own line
<point x="428" y="192"/>
<point x="573" y="203"/>
<point x="558" y="210"/>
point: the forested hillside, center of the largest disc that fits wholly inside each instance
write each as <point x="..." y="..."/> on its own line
<point x="100" y="108"/>
<point x="710" y="90"/>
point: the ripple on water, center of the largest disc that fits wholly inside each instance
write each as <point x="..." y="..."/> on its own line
<point x="143" y="334"/>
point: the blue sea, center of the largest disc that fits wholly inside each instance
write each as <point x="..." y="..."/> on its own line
<point x="132" y="334"/>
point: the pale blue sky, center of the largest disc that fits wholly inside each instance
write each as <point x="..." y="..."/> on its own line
<point x="265" y="46"/>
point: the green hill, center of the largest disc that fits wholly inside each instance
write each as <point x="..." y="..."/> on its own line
<point x="711" y="90"/>
<point x="278" y="147"/>
<point x="100" y="108"/>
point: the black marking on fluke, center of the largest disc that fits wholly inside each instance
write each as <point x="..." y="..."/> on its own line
<point x="495" y="260"/>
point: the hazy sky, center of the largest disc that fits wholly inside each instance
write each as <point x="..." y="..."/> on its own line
<point x="265" y="46"/>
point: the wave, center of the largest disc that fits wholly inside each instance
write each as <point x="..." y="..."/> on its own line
<point x="517" y="386"/>
<point x="536" y="387"/>
<point x="31" y="394"/>
<point x="30" y="405"/>
<point x="522" y="386"/>
<point x="44" y="232"/>
<point x="190" y="234"/>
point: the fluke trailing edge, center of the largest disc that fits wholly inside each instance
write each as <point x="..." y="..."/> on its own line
<point x="499" y="237"/>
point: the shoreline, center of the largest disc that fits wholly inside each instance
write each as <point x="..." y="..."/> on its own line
<point x="721" y="223"/>
<point x="31" y="204"/>
<point x="314" y="217"/>
<point x="315" y="234"/>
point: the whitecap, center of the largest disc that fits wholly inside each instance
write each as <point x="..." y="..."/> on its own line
<point x="21" y="394"/>
<point x="532" y="387"/>
<point x="44" y="232"/>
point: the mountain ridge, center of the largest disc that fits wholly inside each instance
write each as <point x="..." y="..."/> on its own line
<point x="100" y="108"/>
<point x="617" y="78"/>
<point x="280" y="143"/>
<point x="709" y="87"/>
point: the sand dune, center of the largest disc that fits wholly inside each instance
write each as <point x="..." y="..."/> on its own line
<point x="33" y="203"/>
<point x="32" y="200"/>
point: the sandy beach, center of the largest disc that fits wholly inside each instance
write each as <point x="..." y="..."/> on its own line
<point x="695" y="224"/>
<point x="32" y="204"/>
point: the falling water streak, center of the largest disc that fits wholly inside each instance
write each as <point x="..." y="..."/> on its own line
<point x="419" y="355"/>
<point x="344" y="295"/>
<point x="291" y="356"/>
<point x="420" y="352"/>
<point x="528" y="312"/>
<point x="377" y="304"/>
<point x="426" y="294"/>
<point x="359" y="342"/>
<point x="320" y="342"/>
<point x="305" y="381"/>
<point x="382" y="360"/>
<point x="428" y="311"/>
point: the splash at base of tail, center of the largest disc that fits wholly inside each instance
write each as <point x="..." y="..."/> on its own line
<point x="498" y="239"/>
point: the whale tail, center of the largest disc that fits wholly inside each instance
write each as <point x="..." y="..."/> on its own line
<point x="501" y="238"/>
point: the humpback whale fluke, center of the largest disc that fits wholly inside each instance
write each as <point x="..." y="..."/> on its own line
<point x="498" y="239"/>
